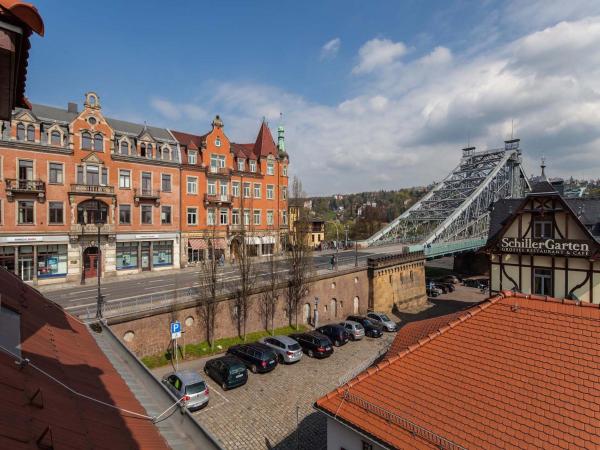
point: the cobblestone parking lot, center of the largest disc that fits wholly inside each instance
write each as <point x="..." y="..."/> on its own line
<point x="262" y="414"/>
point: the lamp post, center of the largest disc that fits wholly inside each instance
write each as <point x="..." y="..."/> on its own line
<point x="99" y="301"/>
<point x="316" y="316"/>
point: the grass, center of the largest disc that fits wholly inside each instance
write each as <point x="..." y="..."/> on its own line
<point x="194" y="351"/>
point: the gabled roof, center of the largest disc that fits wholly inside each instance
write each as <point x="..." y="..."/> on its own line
<point x="193" y="141"/>
<point x="264" y="145"/>
<point x="516" y="371"/>
<point x="34" y="407"/>
<point x="243" y="150"/>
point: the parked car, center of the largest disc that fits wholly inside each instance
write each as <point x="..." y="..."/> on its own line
<point x="336" y="333"/>
<point x="449" y="286"/>
<point x="432" y="291"/>
<point x="287" y="349"/>
<point x="257" y="357"/>
<point x="354" y="329"/>
<point x="441" y="286"/>
<point x="314" y="344"/>
<point x="372" y="328"/>
<point x="227" y="371"/>
<point x="384" y="319"/>
<point x="189" y="387"/>
<point x="451" y="279"/>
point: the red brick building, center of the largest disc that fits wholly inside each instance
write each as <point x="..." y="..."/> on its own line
<point x="82" y="193"/>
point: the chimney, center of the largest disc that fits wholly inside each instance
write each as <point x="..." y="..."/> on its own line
<point x="72" y="107"/>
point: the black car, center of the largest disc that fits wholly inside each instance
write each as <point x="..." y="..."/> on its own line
<point x="257" y="357"/>
<point x="372" y="328"/>
<point x="314" y="344"/>
<point x="228" y="371"/>
<point x="336" y="333"/>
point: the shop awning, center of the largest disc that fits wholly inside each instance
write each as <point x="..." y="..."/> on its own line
<point x="219" y="243"/>
<point x="253" y="240"/>
<point x="268" y="239"/>
<point x="197" y="244"/>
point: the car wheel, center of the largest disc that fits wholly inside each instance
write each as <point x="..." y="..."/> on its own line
<point x="224" y="386"/>
<point x="280" y="358"/>
<point x="311" y="354"/>
<point x="253" y="368"/>
<point x="336" y="343"/>
<point x="205" y="370"/>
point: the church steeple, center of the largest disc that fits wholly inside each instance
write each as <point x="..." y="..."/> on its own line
<point x="543" y="166"/>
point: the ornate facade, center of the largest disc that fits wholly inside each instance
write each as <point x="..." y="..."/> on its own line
<point x="81" y="193"/>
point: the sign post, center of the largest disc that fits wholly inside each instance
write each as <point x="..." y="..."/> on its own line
<point x="175" y="334"/>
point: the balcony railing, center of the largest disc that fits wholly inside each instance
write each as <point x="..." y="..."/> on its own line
<point x="146" y="194"/>
<point x="91" y="228"/>
<point x="92" y="189"/>
<point x="217" y="198"/>
<point x="219" y="170"/>
<point x="16" y="186"/>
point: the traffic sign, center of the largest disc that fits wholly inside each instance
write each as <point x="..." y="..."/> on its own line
<point x="175" y="330"/>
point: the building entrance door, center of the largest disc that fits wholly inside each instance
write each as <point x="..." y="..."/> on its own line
<point x="26" y="268"/>
<point x="91" y="258"/>
<point x="146" y="254"/>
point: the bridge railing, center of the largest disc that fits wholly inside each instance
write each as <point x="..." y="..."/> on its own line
<point x="446" y="248"/>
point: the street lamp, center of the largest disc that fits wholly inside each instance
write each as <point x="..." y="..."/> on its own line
<point x="99" y="221"/>
<point x="316" y="316"/>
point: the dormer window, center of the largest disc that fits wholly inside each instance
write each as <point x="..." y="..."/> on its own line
<point x="143" y="150"/>
<point x="252" y="166"/>
<point x="270" y="167"/>
<point x="192" y="157"/>
<point x="92" y="120"/>
<point x="241" y="165"/>
<point x="217" y="142"/>
<point x="149" y="151"/>
<point x="21" y="132"/>
<point x="98" y="143"/>
<point x="86" y="141"/>
<point x="55" y="138"/>
<point x="30" y="133"/>
<point x="166" y="153"/>
<point x="124" y="147"/>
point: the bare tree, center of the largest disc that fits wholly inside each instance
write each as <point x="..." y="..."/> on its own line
<point x="210" y="288"/>
<point x="300" y="261"/>
<point x="270" y="294"/>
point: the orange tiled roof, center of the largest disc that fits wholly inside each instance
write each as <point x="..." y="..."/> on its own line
<point x="264" y="144"/>
<point x="33" y="407"/>
<point x="516" y="371"/>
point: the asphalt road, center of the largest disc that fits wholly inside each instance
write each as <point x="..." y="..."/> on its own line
<point x="77" y="299"/>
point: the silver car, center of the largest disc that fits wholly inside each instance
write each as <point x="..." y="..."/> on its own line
<point x="188" y="386"/>
<point x="286" y="348"/>
<point x="383" y="319"/>
<point x="354" y="329"/>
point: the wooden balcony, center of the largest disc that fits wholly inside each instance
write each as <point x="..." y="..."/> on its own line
<point x="92" y="189"/>
<point x="218" y="199"/>
<point x="140" y="195"/>
<point x="16" y="186"/>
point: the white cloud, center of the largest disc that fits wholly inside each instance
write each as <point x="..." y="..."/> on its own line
<point x="173" y="111"/>
<point x="376" y="53"/>
<point x="331" y="48"/>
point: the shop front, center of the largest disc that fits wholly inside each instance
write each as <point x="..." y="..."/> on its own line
<point x="547" y="246"/>
<point x="36" y="259"/>
<point x="146" y="252"/>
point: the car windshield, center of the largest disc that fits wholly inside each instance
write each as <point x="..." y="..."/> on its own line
<point x="235" y="370"/>
<point x="195" y="388"/>
<point x="324" y="342"/>
<point x="359" y="326"/>
<point x="294" y="346"/>
<point x="385" y="318"/>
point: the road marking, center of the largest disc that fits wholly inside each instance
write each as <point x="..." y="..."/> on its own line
<point x="153" y="281"/>
<point x="162" y="285"/>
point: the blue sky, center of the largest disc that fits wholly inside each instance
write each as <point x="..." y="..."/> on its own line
<point x="375" y="95"/>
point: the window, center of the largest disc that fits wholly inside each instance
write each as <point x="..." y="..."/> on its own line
<point x="92" y="211"/>
<point x="217" y="142"/>
<point x="25" y="212"/>
<point x="542" y="281"/>
<point x="366" y="446"/>
<point x="284" y="217"/>
<point x="256" y="217"/>
<point x="246" y="190"/>
<point x="98" y="142"/>
<point x="270" y="191"/>
<point x="270" y="167"/>
<point x="284" y="171"/>
<point x="25" y="170"/>
<point x="252" y="166"/>
<point x="192" y="216"/>
<point x="224" y="216"/>
<point x="192" y="185"/>
<point x="55" y="138"/>
<point x="92" y="175"/>
<point x="246" y="217"/>
<point x="149" y="151"/>
<point x="223" y="190"/>
<point x="51" y="260"/>
<point x="104" y="176"/>
<point x="55" y="211"/>
<point x="235" y="188"/>
<point x="162" y="253"/>
<point x="269" y="217"/>
<point x="125" y="214"/>
<point x="235" y="217"/>
<point x="127" y="255"/>
<point x="124" y="179"/>
<point x="165" y="183"/>
<point x="55" y="173"/>
<point x="21" y="132"/>
<point x="212" y="187"/>
<point x="86" y="141"/>
<point x="30" y="133"/>
<point x="240" y="165"/>
<point x="192" y="157"/>
<point x="217" y="162"/>
<point x="284" y="192"/>
<point x="210" y="217"/>
<point x="542" y="228"/>
<point x="79" y="174"/>
<point x="256" y="190"/>
<point x="1" y="215"/>
<point x="146" y="214"/>
<point x="165" y="215"/>
<point x="166" y="153"/>
<point x="143" y="150"/>
<point x="146" y="183"/>
<point x="124" y="147"/>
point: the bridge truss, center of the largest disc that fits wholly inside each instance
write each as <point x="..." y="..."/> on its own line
<point x="458" y="208"/>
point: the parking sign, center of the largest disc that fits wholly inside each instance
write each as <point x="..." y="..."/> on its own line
<point x="175" y="330"/>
